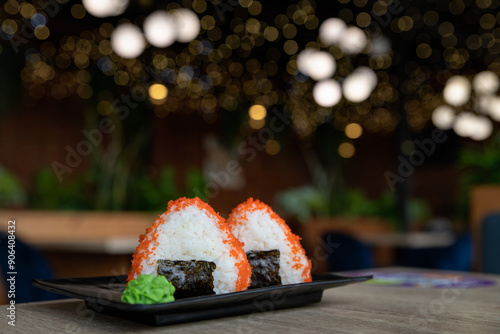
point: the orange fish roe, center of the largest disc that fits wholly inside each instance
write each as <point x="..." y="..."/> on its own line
<point x="293" y="241"/>
<point x="143" y="252"/>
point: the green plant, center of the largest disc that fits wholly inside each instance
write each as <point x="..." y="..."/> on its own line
<point x="12" y="193"/>
<point x="143" y="192"/>
<point x="306" y="202"/>
<point x="327" y="196"/>
<point x="195" y="184"/>
<point x="146" y="193"/>
<point x="49" y="193"/>
<point x="480" y="164"/>
<point x="303" y="203"/>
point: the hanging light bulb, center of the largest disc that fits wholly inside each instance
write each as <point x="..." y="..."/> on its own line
<point x="327" y="93"/>
<point x="485" y="83"/>
<point x="318" y="65"/>
<point x="127" y="41"/>
<point x="457" y="90"/>
<point x="353" y="40"/>
<point x="359" y="85"/>
<point x="331" y="30"/>
<point x="104" y="8"/>
<point x="160" y="30"/>
<point x="443" y="117"/>
<point x="188" y="25"/>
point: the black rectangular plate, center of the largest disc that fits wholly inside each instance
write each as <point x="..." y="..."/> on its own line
<point x="102" y="294"/>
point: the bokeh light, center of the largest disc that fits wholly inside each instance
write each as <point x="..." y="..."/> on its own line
<point x="486" y="82"/>
<point x="257" y="112"/>
<point x="353" y="130"/>
<point x="318" y="65"/>
<point x="331" y="30"/>
<point x="104" y="8"/>
<point x="483" y="128"/>
<point x="346" y="150"/>
<point x="158" y="93"/>
<point x="358" y="85"/>
<point x="188" y="25"/>
<point x="353" y="40"/>
<point x="443" y="117"/>
<point x="457" y="90"/>
<point x="159" y="29"/>
<point x="327" y="93"/>
<point x="127" y="41"/>
<point x="463" y="125"/>
<point x="272" y="147"/>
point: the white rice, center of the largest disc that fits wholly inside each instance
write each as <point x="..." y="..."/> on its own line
<point x="260" y="232"/>
<point x="193" y="234"/>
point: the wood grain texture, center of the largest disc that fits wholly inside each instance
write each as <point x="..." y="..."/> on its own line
<point x="54" y="226"/>
<point x="359" y="308"/>
<point x="79" y="243"/>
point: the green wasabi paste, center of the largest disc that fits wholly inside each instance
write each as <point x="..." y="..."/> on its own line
<point x="148" y="289"/>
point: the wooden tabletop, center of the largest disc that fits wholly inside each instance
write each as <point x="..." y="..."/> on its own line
<point x="359" y="308"/>
<point x="79" y="231"/>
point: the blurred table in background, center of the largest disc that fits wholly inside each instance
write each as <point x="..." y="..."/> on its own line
<point x="80" y="244"/>
<point x="312" y="234"/>
<point x="409" y="239"/>
<point x="375" y="233"/>
<point x="63" y="234"/>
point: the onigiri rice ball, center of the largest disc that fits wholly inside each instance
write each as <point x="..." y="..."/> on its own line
<point x="191" y="230"/>
<point x="260" y="229"/>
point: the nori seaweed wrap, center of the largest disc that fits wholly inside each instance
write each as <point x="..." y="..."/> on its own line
<point x="265" y="268"/>
<point x="190" y="278"/>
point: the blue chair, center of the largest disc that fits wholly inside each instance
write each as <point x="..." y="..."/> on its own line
<point x="347" y="253"/>
<point x="490" y="245"/>
<point x="29" y="264"/>
<point x="455" y="257"/>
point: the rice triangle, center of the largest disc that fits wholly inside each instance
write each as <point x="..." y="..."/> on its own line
<point x="261" y="229"/>
<point x="190" y="230"/>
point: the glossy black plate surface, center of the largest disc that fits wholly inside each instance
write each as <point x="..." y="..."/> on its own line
<point x="102" y="294"/>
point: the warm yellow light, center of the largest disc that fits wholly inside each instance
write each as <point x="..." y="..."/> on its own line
<point x="257" y="112"/>
<point x="85" y="91"/>
<point x="78" y="11"/>
<point x="353" y="130"/>
<point x="346" y="150"/>
<point x="272" y="147"/>
<point x="42" y="33"/>
<point x="158" y="92"/>
<point x="27" y="10"/>
<point x="104" y="108"/>
<point x="256" y="125"/>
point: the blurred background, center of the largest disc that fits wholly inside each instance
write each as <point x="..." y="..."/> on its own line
<point x="370" y="126"/>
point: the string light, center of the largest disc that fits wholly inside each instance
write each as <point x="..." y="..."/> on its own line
<point x="127" y="41"/>
<point x="159" y="29"/>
